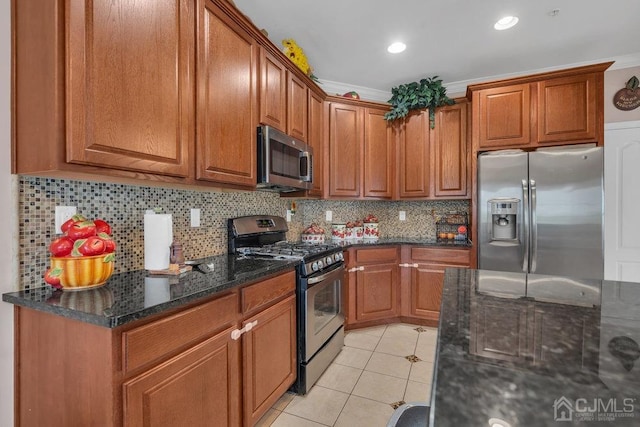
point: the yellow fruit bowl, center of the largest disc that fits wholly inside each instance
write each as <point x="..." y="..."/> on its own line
<point x="83" y="272"/>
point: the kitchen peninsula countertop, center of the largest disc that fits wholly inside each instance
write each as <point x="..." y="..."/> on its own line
<point x="134" y="295"/>
<point x="530" y="350"/>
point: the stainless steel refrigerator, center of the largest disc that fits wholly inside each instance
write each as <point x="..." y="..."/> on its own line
<point x="542" y="211"/>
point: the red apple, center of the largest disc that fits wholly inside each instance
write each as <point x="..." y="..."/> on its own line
<point x="68" y="223"/>
<point x="102" y="226"/>
<point x="62" y="246"/>
<point x="52" y="277"/>
<point x="109" y="243"/>
<point x="94" y="245"/>
<point x="82" y="230"/>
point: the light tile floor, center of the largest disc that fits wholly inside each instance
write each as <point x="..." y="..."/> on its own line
<point x="378" y="369"/>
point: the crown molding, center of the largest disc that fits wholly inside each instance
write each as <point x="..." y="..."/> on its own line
<point x="460" y="87"/>
<point x="337" y="88"/>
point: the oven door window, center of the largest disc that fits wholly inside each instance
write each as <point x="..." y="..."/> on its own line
<point x="286" y="161"/>
<point x="326" y="306"/>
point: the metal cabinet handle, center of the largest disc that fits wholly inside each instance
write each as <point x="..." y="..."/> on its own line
<point x="406" y="264"/>
<point x="525" y="198"/>
<point x="534" y="227"/>
<point x="236" y="333"/>
<point x="351" y="270"/>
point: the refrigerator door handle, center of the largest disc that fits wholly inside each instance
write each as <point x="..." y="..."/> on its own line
<point x="534" y="227"/>
<point x="525" y="229"/>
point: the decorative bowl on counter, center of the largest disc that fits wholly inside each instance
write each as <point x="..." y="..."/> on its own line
<point x="85" y="272"/>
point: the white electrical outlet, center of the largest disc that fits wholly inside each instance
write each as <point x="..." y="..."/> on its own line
<point x="328" y="216"/>
<point x="63" y="213"/>
<point x="402" y="216"/>
<point x="195" y="217"/>
<point x="289" y="215"/>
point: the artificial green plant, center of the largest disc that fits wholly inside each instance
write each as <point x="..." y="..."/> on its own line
<point x="428" y="93"/>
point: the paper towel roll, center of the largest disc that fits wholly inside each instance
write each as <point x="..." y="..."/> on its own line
<point x="158" y="235"/>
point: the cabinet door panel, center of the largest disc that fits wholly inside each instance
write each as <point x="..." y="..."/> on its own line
<point x="378" y="154"/>
<point x="130" y="87"/>
<point x="567" y="109"/>
<point x="316" y="141"/>
<point x="345" y="150"/>
<point x="376" y="293"/>
<point x="269" y="353"/>
<point x="414" y="166"/>
<point x="273" y="92"/>
<point x="450" y="151"/>
<point x="504" y="116"/>
<point x="297" y="108"/>
<point x="196" y="388"/>
<point x="227" y="101"/>
<point x="426" y="291"/>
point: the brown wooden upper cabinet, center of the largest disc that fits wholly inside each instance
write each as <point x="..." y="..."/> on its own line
<point x="102" y="89"/>
<point x="360" y="152"/>
<point x="227" y="99"/>
<point x="433" y="163"/>
<point x="503" y="116"/>
<point x="555" y="108"/>
<point x="316" y="132"/>
<point x="283" y="97"/>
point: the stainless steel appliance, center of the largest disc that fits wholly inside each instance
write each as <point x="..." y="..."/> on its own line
<point x="284" y="163"/>
<point x="319" y="279"/>
<point x="542" y="211"/>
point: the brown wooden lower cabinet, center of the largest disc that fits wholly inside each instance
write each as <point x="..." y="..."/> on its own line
<point x="398" y="283"/>
<point x="180" y="369"/>
<point x="377" y="292"/>
<point x="425" y="289"/>
<point x="269" y="358"/>
<point x="199" y="387"/>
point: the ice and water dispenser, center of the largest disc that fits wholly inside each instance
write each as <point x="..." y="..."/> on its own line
<point x="504" y="219"/>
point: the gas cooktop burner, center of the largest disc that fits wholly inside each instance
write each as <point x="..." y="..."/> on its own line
<point x="287" y="250"/>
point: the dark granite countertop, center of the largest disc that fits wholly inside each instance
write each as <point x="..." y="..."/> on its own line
<point x="418" y="241"/>
<point x="130" y="296"/>
<point x="530" y="350"/>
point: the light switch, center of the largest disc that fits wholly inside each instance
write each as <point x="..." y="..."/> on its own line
<point x="63" y="213"/>
<point x="195" y="217"/>
<point x="328" y="216"/>
<point x="402" y="216"/>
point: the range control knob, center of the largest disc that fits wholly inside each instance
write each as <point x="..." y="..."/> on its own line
<point x="336" y="256"/>
<point x="328" y="260"/>
<point x="314" y="266"/>
<point x="320" y="265"/>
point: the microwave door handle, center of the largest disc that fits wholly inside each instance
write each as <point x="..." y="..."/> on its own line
<point x="305" y="157"/>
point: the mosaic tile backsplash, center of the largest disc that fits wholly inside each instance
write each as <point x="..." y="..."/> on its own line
<point x="123" y="206"/>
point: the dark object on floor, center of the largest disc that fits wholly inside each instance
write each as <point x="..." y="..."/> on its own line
<point x="415" y="414"/>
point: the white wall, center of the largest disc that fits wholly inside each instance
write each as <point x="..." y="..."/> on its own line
<point x="8" y="210"/>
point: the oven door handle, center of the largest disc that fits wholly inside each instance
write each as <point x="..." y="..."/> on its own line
<point x="318" y="279"/>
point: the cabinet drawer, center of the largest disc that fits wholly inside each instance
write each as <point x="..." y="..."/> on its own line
<point x="264" y="293"/>
<point x="445" y="256"/>
<point x="376" y="255"/>
<point x="152" y="341"/>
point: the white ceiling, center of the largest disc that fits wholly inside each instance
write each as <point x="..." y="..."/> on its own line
<point x="345" y="41"/>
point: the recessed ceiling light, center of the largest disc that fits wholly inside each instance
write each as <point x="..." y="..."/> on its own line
<point x="396" y="47"/>
<point x="506" y="22"/>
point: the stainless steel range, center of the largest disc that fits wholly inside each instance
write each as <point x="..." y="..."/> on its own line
<point x="320" y="274"/>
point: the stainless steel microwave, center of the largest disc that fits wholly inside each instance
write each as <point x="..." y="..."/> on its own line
<point x="284" y="163"/>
